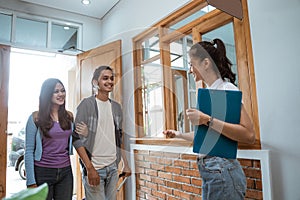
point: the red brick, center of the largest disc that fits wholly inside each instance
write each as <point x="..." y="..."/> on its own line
<point x="150" y="197"/>
<point x="250" y="183"/>
<point x="173" y="184"/>
<point x="192" y="172"/>
<point x="189" y="188"/>
<point x="145" y="177"/>
<point x="151" y="185"/>
<point x="182" y="179"/>
<point x="151" y="159"/>
<point x="140" y="170"/>
<point x="197" y="182"/>
<point x="188" y="157"/>
<point x="197" y="197"/>
<point x="171" y="155"/>
<point x="158" y="194"/>
<point x="171" y="169"/>
<point x="246" y="162"/>
<point x="142" y="164"/>
<point x="146" y="190"/>
<point x="193" y="165"/>
<point x="165" y="175"/>
<point x="138" y="157"/>
<point x="165" y="189"/>
<point x="256" y="164"/>
<point x="172" y="198"/>
<point x="156" y="153"/>
<point x="140" y="194"/>
<point x="145" y="152"/>
<point x="182" y="163"/>
<point x="164" y="161"/>
<point x="254" y="194"/>
<point x="158" y="180"/>
<point x="140" y="182"/>
<point x="151" y="172"/>
<point x="252" y="173"/>
<point x="182" y="194"/>
<point x="258" y="185"/>
<point x="158" y="167"/>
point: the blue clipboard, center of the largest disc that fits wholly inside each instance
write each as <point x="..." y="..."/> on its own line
<point x="224" y="105"/>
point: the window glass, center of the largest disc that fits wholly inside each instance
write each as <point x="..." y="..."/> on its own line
<point x="151" y="47"/>
<point x="192" y="17"/>
<point x="226" y="34"/>
<point x="153" y="99"/>
<point x="176" y="48"/>
<point x="31" y="33"/>
<point x="63" y="36"/>
<point x="5" y="33"/>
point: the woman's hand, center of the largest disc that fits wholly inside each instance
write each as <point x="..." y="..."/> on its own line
<point x="197" y="117"/>
<point x="82" y="129"/>
<point x="171" y="133"/>
<point x="32" y="186"/>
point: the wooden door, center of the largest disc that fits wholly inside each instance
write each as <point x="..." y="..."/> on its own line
<point x="87" y="62"/>
<point x="4" y="79"/>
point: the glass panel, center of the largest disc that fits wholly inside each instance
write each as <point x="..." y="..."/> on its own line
<point x="192" y="17"/>
<point x="179" y="93"/>
<point x="179" y="52"/>
<point x="225" y="33"/>
<point x="5" y="30"/>
<point x="153" y="99"/>
<point x="31" y="33"/>
<point x="151" y="47"/>
<point x="176" y="49"/>
<point x="63" y="37"/>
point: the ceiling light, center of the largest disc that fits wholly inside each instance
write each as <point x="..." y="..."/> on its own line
<point x="86" y="2"/>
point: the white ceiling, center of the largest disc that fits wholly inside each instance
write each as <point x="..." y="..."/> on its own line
<point x="97" y="8"/>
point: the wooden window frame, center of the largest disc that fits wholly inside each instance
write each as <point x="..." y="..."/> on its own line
<point x="197" y="28"/>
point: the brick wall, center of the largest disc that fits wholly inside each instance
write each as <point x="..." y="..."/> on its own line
<point x="172" y="176"/>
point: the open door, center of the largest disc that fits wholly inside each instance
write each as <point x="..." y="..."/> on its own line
<point x="4" y="80"/>
<point x="87" y="62"/>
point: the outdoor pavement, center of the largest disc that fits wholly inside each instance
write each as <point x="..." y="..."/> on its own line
<point x="14" y="183"/>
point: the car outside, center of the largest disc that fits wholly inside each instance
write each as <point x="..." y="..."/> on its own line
<point x="16" y="155"/>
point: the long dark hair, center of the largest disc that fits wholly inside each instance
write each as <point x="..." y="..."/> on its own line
<point x="44" y="120"/>
<point x="222" y="64"/>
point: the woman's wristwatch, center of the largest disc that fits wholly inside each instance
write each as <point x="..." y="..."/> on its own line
<point x="210" y="121"/>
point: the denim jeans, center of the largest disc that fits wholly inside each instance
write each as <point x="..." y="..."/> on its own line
<point x="222" y="179"/>
<point x="59" y="180"/>
<point x="107" y="189"/>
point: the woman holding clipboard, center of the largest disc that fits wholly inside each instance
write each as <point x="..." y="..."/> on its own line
<point x="222" y="178"/>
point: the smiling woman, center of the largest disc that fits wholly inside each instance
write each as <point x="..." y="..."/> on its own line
<point x="28" y="69"/>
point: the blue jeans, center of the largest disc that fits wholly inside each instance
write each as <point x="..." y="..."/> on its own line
<point x="59" y="180"/>
<point x="222" y="179"/>
<point x="107" y="189"/>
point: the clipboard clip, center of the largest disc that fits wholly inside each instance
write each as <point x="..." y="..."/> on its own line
<point x="122" y="183"/>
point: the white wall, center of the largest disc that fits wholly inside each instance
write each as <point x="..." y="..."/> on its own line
<point x="275" y="31"/>
<point x="91" y="27"/>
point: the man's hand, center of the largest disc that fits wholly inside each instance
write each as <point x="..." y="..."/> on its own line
<point x="93" y="177"/>
<point x="126" y="171"/>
